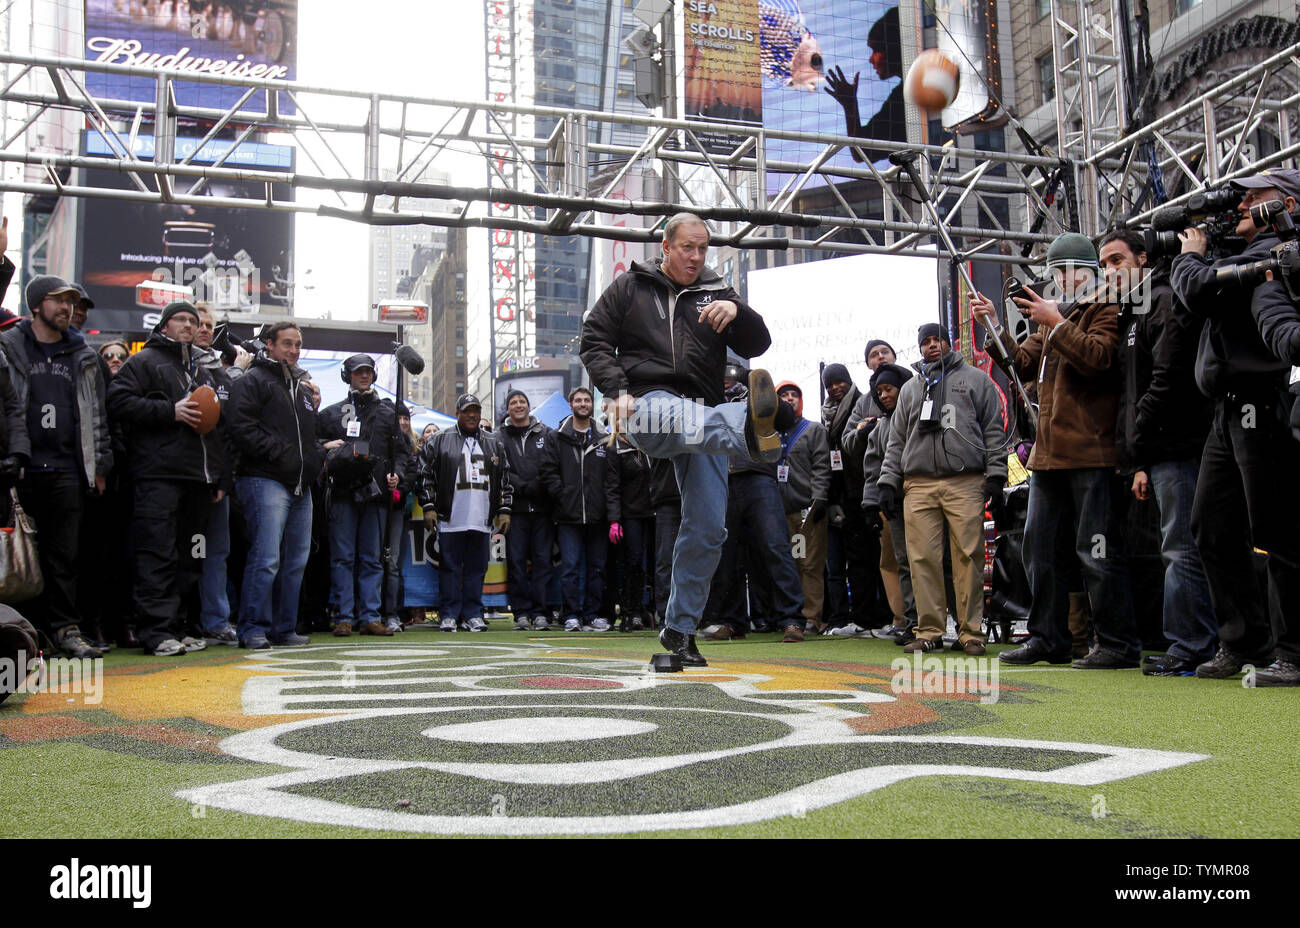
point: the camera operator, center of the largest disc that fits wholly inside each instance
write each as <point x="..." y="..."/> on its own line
<point x="1163" y="420"/>
<point x="1246" y="495"/>
<point x="358" y="435"/>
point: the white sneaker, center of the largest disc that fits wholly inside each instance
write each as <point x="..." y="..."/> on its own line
<point x="572" y="625"/>
<point x="600" y="625"/>
<point x="477" y="625"/>
<point x="709" y="630"/>
<point x="845" y="631"/>
<point x="447" y="625"/>
<point x="395" y="624"/>
<point x="541" y="623"/>
<point x="522" y="624"/>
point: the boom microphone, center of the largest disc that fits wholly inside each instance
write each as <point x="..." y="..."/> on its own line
<point x="410" y="360"/>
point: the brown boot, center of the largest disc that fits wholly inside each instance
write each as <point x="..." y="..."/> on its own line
<point x="342" y="629"/>
<point x="377" y="628"/>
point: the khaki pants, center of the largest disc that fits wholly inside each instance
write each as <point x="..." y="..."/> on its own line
<point x="889" y="572"/>
<point x="926" y="502"/>
<point x="812" y="566"/>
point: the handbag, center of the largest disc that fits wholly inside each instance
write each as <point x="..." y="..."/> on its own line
<point x="20" y="568"/>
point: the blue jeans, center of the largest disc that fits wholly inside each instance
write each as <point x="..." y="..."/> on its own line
<point x="279" y="540"/>
<point x="214" y="599"/>
<point x="697" y="439"/>
<point x="1189" y="620"/>
<point x="582" y="545"/>
<point x="1077" y="502"/>
<point x="463" y="560"/>
<point x="356" y="533"/>
<point x="531" y="538"/>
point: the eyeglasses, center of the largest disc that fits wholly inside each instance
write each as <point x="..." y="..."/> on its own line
<point x="114" y="356"/>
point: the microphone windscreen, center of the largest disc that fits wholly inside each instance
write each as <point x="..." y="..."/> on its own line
<point x="410" y="359"/>
<point x="1170" y="219"/>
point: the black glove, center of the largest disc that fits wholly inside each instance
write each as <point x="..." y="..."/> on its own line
<point x="10" y="467"/>
<point x="890" y="504"/>
<point x="874" y="525"/>
<point x="993" y="493"/>
<point x="817" y="511"/>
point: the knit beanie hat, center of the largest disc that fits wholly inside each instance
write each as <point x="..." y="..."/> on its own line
<point x="931" y="328"/>
<point x="835" y="373"/>
<point x="866" y="354"/>
<point x="1072" y="248"/>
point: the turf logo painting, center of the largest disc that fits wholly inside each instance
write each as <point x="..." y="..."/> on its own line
<point x="526" y="739"/>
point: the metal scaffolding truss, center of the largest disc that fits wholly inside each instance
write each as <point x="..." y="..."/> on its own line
<point x="1239" y="122"/>
<point x="563" y="181"/>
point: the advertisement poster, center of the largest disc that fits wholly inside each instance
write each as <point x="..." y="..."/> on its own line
<point x="420" y="568"/>
<point x="723" y="56"/>
<point x="241" y="39"/>
<point x="144" y="255"/>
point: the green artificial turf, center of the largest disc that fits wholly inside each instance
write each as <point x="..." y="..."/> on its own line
<point x="92" y="771"/>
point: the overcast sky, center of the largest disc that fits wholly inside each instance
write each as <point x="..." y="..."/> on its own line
<point x="401" y="46"/>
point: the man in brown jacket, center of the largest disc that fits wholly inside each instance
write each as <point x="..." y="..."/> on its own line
<point x="1071" y="358"/>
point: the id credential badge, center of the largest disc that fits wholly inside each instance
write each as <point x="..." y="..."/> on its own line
<point x="782" y="473"/>
<point x="354" y="428"/>
<point x="837" y="462"/>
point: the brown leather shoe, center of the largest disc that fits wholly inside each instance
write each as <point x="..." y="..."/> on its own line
<point x="974" y="648"/>
<point x="723" y="632"/>
<point x="342" y="629"/>
<point x="377" y="628"/>
<point x="793" y="633"/>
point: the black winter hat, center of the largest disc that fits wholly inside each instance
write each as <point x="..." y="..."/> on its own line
<point x="893" y="374"/>
<point x="866" y="353"/>
<point x="175" y="307"/>
<point x="835" y="373"/>
<point x="932" y="328"/>
<point x="517" y="392"/>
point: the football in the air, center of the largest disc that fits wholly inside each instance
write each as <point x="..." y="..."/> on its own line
<point x="932" y="81"/>
<point x="209" y="408"/>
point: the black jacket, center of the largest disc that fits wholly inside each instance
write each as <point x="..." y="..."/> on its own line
<point x="581" y="480"/>
<point x="379" y="446"/>
<point x="440" y="461"/>
<point x="663" y="483"/>
<point x="142" y="397"/>
<point x="634" y="481"/>
<point x="273" y="425"/>
<point x="13" y="417"/>
<point x="1162" y="414"/>
<point x="644" y="334"/>
<point x="525" y="448"/>
<point x="1278" y="318"/>
<point x="1231" y="355"/>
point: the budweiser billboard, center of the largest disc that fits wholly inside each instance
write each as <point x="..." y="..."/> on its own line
<point x="242" y="39"/>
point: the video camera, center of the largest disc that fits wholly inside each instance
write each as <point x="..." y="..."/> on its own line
<point x="1217" y="209"/>
<point x="1285" y="260"/>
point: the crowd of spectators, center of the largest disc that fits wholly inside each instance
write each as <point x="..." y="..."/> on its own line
<point x="165" y="531"/>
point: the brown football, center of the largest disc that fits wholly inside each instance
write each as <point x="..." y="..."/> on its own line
<point x="932" y="81"/>
<point x="209" y="408"/>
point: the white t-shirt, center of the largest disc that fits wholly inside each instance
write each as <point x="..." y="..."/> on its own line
<point x="470" y="503"/>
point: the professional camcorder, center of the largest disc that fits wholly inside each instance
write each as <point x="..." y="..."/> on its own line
<point x="1215" y="209"/>
<point x="1285" y="260"/>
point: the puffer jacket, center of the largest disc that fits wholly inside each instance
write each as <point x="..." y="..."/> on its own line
<point x="440" y="461"/>
<point x="525" y="449"/>
<point x="979" y="445"/>
<point x="644" y="334"/>
<point x="94" y="442"/>
<point x="273" y="425"/>
<point x="143" y="396"/>
<point x="1078" y="386"/>
<point x="581" y="479"/>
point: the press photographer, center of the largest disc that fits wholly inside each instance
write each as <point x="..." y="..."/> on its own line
<point x="1246" y="495"/>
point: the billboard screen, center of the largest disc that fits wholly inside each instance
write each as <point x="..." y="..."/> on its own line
<point x="232" y="38"/>
<point x="818" y="66"/>
<point x="141" y="255"/>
